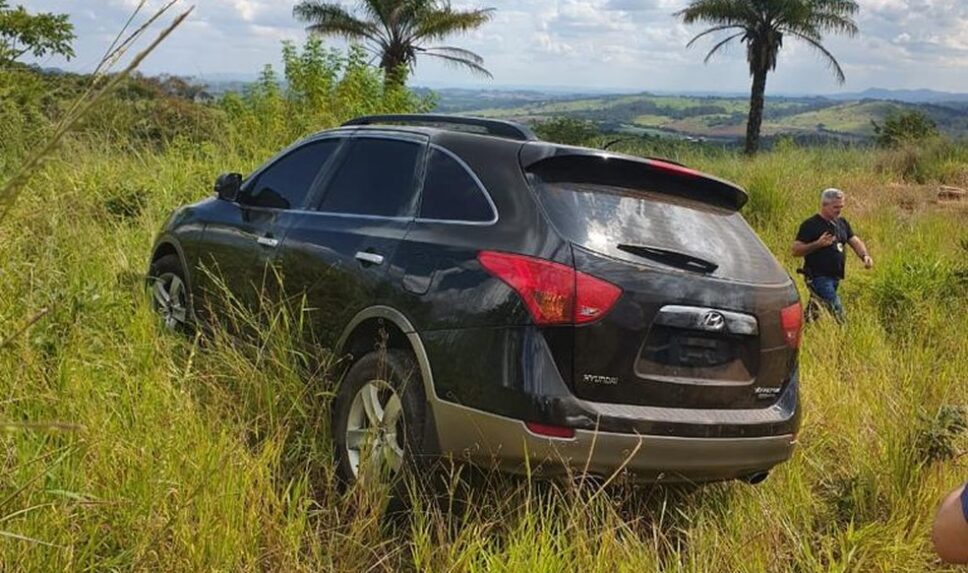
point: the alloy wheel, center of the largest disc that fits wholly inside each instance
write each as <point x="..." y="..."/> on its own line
<point x="169" y="295"/>
<point x="375" y="435"/>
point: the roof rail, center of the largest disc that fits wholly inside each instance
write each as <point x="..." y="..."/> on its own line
<point x="496" y="127"/>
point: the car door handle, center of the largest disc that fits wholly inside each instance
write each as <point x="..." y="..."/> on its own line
<point x="369" y="258"/>
<point x="268" y="242"/>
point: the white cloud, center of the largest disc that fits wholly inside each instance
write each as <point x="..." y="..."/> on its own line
<point x="634" y="44"/>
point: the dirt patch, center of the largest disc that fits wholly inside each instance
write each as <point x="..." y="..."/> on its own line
<point x="909" y="198"/>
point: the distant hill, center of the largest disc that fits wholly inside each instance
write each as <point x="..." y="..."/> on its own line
<point x="710" y="117"/>
<point x="697" y="115"/>
<point x="908" y="96"/>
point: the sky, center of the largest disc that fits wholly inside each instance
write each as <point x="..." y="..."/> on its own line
<point x="629" y="45"/>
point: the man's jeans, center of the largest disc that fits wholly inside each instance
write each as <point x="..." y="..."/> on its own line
<point x="826" y="289"/>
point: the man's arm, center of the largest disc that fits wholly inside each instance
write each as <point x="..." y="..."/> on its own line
<point x="860" y="248"/>
<point x="950" y="532"/>
<point x="802" y="249"/>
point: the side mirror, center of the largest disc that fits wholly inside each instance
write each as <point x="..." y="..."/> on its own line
<point x="227" y="186"/>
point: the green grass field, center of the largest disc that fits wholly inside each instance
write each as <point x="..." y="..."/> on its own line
<point x="854" y="117"/>
<point x="726" y="116"/>
<point x="125" y="448"/>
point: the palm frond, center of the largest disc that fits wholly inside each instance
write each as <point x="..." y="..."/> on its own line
<point x="332" y="19"/>
<point x="437" y="24"/>
<point x="377" y="10"/>
<point x="833" y="22"/>
<point x="712" y="30"/>
<point x="719" y="45"/>
<point x="721" y="12"/>
<point x="461" y="62"/>
<point x="828" y="57"/>
<point x="454" y="52"/>
<point x="814" y="17"/>
<point x="394" y="16"/>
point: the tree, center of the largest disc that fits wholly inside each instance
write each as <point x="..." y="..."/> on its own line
<point x="397" y="31"/>
<point x="904" y="127"/>
<point x="761" y="25"/>
<point x="566" y="130"/>
<point x="39" y="34"/>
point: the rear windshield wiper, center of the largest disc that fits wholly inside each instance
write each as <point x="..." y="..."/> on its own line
<point x="671" y="258"/>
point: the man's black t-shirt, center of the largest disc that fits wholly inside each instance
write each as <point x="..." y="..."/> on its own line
<point x="828" y="261"/>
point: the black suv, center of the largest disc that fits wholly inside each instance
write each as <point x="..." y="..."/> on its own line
<point x="541" y="305"/>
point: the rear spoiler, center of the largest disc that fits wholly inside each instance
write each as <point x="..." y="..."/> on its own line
<point x="560" y="164"/>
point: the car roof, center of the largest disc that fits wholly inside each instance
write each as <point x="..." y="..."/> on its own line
<point x="465" y="123"/>
<point x="446" y="128"/>
<point x="438" y="135"/>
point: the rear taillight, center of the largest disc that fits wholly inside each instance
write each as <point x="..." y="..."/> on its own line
<point x="791" y="320"/>
<point x="550" y="431"/>
<point x="552" y="292"/>
<point x="593" y="297"/>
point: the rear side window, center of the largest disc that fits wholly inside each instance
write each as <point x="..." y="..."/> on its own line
<point x="651" y="228"/>
<point x="285" y="183"/>
<point x="451" y="193"/>
<point x="377" y="178"/>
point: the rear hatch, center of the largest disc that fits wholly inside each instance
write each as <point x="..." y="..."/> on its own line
<point x="698" y="324"/>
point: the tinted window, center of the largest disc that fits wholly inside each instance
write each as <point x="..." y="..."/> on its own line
<point x="377" y="178"/>
<point x="620" y="222"/>
<point x="451" y="193"/>
<point x="285" y="184"/>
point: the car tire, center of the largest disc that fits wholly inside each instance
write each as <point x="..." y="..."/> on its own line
<point x="170" y="297"/>
<point x="378" y="419"/>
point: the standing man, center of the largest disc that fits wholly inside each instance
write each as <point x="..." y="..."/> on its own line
<point x="821" y="241"/>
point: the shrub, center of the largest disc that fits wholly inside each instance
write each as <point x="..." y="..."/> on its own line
<point x="566" y="130"/>
<point x="901" y="127"/>
<point x="935" y="160"/>
<point x="937" y="436"/>
<point x="324" y="87"/>
<point x="906" y="288"/>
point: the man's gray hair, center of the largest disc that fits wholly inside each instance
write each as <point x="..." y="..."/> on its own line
<point x="831" y="194"/>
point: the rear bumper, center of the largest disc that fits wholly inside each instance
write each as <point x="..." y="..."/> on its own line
<point x="496" y="441"/>
<point x="479" y="408"/>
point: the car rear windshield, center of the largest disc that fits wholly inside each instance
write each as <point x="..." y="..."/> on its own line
<point x="655" y="229"/>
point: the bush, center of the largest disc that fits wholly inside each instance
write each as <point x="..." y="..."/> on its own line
<point x="937" y="160"/>
<point x="910" y="287"/>
<point x="938" y="436"/>
<point x="142" y="110"/>
<point x="22" y="118"/>
<point x="324" y="87"/>
<point x="904" y="127"/>
<point x="566" y="130"/>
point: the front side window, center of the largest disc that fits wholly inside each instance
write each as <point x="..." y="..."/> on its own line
<point x="376" y="178"/>
<point x="285" y="183"/>
<point x="450" y="193"/>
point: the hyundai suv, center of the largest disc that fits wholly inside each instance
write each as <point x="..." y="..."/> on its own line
<point x="541" y="305"/>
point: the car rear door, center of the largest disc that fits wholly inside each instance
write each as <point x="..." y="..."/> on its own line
<point x="699" y="320"/>
<point x="336" y="254"/>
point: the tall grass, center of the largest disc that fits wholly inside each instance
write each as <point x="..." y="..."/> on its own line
<point x="126" y="448"/>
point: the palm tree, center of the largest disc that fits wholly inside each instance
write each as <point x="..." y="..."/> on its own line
<point x="761" y="25"/>
<point x="396" y="31"/>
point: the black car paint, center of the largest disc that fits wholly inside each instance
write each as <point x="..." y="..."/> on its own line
<point x="483" y="348"/>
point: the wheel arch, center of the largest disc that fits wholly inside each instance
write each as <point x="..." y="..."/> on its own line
<point x="360" y="336"/>
<point x="167" y="245"/>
